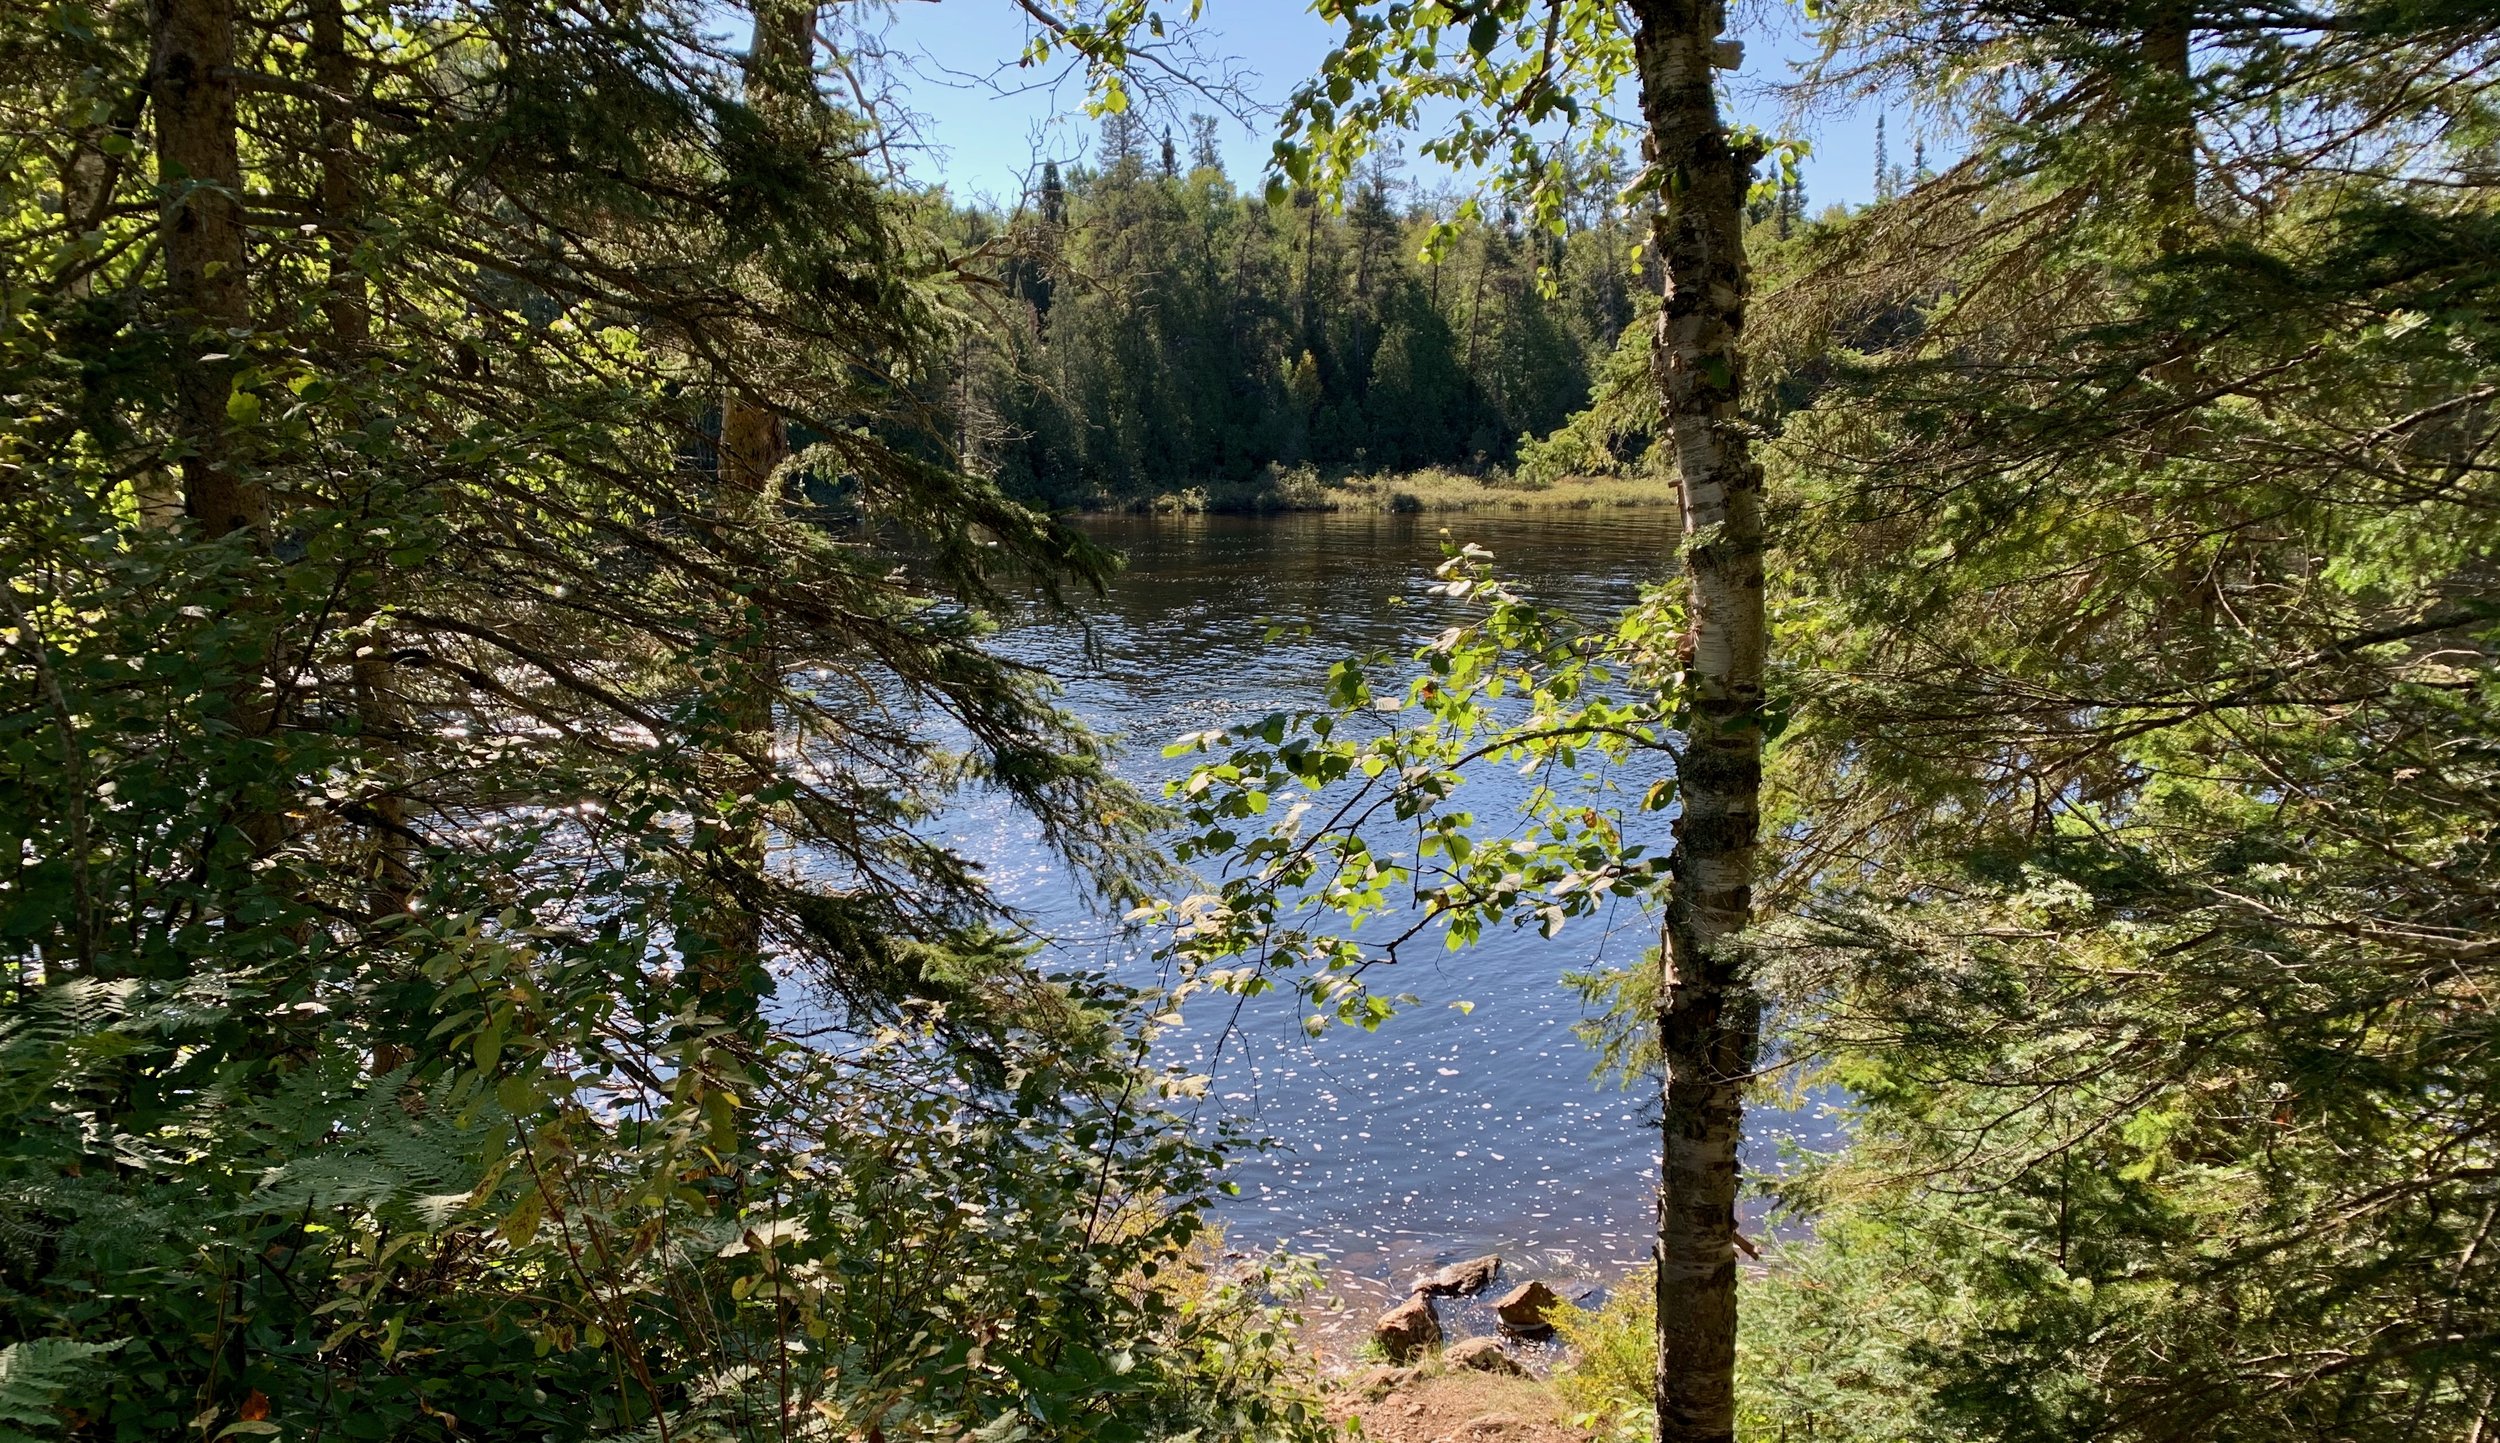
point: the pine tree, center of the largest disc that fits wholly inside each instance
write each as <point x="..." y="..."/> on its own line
<point x="1123" y="143"/>
<point x="1168" y="317"/>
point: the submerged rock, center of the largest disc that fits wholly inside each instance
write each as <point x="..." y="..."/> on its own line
<point x="1485" y="1355"/>
<point x="1472" y="1276"/>
<point x="1526" y="1308"/>
<point x="1407" y="1329"/>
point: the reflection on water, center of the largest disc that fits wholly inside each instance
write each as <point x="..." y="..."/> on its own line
<point x="1446" y="1133"/>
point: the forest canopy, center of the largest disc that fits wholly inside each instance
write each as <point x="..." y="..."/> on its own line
<point x="1158" y="328"/>
<point x="484" y="624"/>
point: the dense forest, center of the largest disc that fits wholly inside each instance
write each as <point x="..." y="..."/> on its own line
<point x="1158" y="329"/>
<point x="424" y="665"/>
<point x="508" y="510"/>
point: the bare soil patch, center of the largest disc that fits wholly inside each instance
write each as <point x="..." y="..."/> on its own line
<point x="1404" y="1405"/>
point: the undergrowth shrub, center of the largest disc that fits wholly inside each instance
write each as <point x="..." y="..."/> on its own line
<point x="1609" y="1381"/>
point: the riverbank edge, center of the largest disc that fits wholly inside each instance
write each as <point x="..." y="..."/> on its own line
<point x="1413" y="492"/>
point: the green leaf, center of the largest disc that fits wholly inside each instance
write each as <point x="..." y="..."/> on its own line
<point x="34" y="1375"/>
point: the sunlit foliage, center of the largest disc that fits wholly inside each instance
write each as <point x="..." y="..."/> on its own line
<point x="477" y="968"/>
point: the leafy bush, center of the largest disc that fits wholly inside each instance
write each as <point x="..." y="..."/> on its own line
<point x="526" y="1241"/>
<point x="1610" y="1380"/>
<point x="1827" y="1348"/>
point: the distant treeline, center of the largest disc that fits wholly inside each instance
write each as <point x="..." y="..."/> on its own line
<point x="1156" y="328"/>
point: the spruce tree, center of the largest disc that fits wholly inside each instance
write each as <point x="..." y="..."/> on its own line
<point x="416" y="998"/>
<point x="2140" y="781"/>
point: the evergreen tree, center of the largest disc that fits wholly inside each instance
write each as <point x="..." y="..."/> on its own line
<point x="2142" y="801"/>
<point x="1053" y="195"/>
<point x="1123" y="141"/>
<point x="1168" y="319"/>
<point x="1204" y="151"/>
<point x="465" y="542"/>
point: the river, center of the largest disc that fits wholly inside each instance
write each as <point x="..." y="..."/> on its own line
<point x="1446" y="1133"/>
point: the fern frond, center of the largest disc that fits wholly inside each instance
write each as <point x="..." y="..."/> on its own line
<point x="33" y="1376"/>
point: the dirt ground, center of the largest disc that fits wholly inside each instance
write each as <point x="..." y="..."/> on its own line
<point x="1405" y="1405"/>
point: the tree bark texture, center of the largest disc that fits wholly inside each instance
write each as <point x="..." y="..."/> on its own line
<point x="781" y="82"/>
<point x="200" y="170"/>
<point x="199" y="173"/>
<point x="2170" y="115"/>
<point x="342" y="176"/>
<point x="1708" y="1017"/>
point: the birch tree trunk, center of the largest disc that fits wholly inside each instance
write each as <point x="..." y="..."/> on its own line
<point x="1708" y="1016"/>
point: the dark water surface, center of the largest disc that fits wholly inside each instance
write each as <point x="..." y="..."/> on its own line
<point x="1446" y="1133"/>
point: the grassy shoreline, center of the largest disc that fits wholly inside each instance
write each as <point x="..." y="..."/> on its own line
<point x="1304" y="489"/>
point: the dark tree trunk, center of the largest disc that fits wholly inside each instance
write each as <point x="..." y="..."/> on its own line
<point x="754" y="443"/>
<point x="200" y="170"/>
<point x="342" y="176"/>
<point x="380" y="712"/>
<point x="1708" y="1015"/>
<point x="2170" y="114"/>
<point x="200" y="176"/>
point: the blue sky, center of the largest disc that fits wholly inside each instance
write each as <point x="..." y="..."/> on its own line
<point x="953" y="57"/>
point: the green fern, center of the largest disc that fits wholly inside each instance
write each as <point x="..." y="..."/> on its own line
<point x="34" y="1375"/>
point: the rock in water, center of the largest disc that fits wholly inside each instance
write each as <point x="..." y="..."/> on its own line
<point x="1471" y="1276"/>
<point x="1524" y="1308"/>
<point x="1485" y="1355"/>
<point x="1407" y="1329"/>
